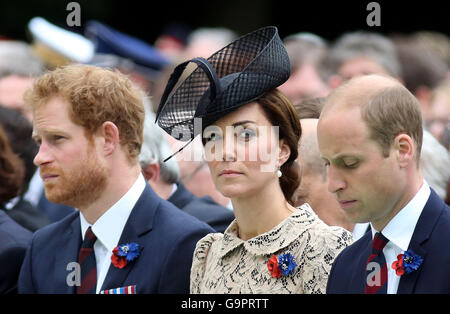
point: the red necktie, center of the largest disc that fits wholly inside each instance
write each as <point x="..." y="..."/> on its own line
<point x="88" y="264"/>
<point x="376" y="268"/>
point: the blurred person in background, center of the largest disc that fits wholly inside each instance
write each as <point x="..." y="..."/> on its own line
<point x="309" y="108"/>
<point x="14" y="239"/>
<point x="306" y="53"/>
<point x="422" y="72"/>
<point x="194" y="172"/>
<point x="18" y="67"/>
<point x="204" y="41"/>
<point x="435" y="164"/>
<point x="439" y="115"/>
<point x="438" y="121"/>
<point x="20" y="64"/>
<point x="360" y="53"/>
<point x="436" y="42"/>
<point x="313" y="187"/>
<point x="133" y="56"/>
<point x="172" y="39"/>
<point x="19" y="131"/>
<point x="164" y="178"/>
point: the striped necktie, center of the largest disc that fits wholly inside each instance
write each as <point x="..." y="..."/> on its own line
<point x="376" y="268"/>
<point x="88" y="264"/>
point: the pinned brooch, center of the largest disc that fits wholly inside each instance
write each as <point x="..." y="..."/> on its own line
<point x="281" y="265"/>
<point x="124" y="253"/>
<point x="406" y="263"/>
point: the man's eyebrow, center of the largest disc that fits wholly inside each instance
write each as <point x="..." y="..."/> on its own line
<point x="49" y="132"/>
<point x="339" y="157"/>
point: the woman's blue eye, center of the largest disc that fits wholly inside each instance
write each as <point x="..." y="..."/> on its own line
<point x="212" y="137"/>
<point x="246" y="134"/>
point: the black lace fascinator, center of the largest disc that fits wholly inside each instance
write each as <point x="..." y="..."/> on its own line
<point x="237" y="74"/>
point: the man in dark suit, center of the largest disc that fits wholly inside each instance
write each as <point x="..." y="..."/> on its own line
<point x="88" y="123"/>
<point x="203" y="208"/>
<point x="370" y="136"/>
<point x="14" y="241"/>
<point x="163" y="177"/>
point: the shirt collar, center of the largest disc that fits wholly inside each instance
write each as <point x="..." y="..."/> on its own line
<point x="174" y="189"/>
<point x="108" y="228"/>
<point x="401" y="228"/>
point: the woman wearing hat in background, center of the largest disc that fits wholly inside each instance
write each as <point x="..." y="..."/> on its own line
<point x="250" y="133"/>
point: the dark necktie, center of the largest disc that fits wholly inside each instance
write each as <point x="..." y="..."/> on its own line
<point x="88" y="264"/>
<point x="376" y="268"/>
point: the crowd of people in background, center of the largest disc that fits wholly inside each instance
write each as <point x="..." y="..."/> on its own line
<point x="420" y="61"/>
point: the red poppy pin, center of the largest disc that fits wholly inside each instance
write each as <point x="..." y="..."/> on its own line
<point x="281" y="265"/>
<point x="124" y="253"/>
<point x="406" y="263"/>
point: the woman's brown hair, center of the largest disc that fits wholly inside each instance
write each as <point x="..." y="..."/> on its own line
<point x="281" y="112"/>
<point x="12" y="170"/>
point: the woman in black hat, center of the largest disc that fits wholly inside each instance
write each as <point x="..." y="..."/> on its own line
<point x="250" y="132"/>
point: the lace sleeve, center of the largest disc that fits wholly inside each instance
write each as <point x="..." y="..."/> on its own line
<point x="325" y="245"/>
<point x="199" y="260"/>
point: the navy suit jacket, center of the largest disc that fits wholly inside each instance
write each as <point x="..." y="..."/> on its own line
<point x="430" y="240"/>
<point x="27" y="215"/>
<point x="14" y="241"/>
<point x="204" y="208"/>
<point x="167" y="237"/>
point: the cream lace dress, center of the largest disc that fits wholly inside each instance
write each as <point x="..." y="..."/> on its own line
<point x="223" y="263"/>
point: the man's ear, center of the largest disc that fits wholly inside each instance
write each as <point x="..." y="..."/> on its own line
<point x="285" y="152"/>
<point x="151" y="172"/>
<point x="110" y="133"/>
<point x="405" y="149"/>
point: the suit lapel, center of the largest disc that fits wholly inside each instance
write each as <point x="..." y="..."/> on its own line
<point x="116" y="276"/>
<point x="358" y="282"/>
<point x="139" y="223"/>
<point x="67" y="252"/>
<point x="408" y="282"/>
<point x="425" y="225"/>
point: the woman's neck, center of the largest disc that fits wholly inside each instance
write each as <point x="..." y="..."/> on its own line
<point x="259" y="213"/>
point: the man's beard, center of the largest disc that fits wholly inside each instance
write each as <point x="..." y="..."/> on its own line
<point x="78" y="187"/>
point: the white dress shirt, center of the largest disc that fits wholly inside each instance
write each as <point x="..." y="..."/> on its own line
<point x="108" y="228"/>
<point x="359" y="230"/>
<point x="399" y="231"/>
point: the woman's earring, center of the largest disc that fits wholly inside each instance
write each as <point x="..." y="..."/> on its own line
<point x="279" y="173"/>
